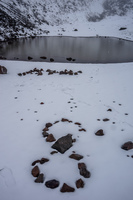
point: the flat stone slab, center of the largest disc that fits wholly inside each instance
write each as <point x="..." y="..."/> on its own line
<point x="63" y="144"/>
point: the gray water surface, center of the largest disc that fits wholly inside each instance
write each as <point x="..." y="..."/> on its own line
<point x="77" y="49"/>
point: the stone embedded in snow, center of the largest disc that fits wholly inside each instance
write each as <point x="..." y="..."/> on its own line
<point x="35" y="171"/>
<point x="83" y="171"/>
<point x="63" y="143"/>
<point x="45" y="134"/>
<point x="99" y="133"/>
<point x="127" y="146"/>
<point x="48" y="125"/>
<point x="67" y="188"/>
<point x="3" y="70"/>
<point x="40" y="178"/>
<point x="42" y="161"/>
<point x="50" y="138"/>
<point x="105" y="119"/>
<point x="80" y="183"/>
<point x="76" y="156"/>
<point x="52" y="184"/>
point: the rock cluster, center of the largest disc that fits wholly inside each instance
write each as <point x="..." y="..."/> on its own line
<point x="39" y="72"/>
<point x="61" y="145"/>
<point x="65" y="72"/>
<point x="35" y="70"/>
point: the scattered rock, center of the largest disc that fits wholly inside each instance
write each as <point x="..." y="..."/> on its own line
<point x="50" y="138"/>
<point x="83" y="171"/>
<point x="52" y="184"/>
<point x="80" y="183"/>
<point x="3" y="70"/>
<point x="127" y="146"/>
<point x="45" y="129"/>
<point x="35" y="162"/>
<point x="35" y="171"/>
<point x="63" y="143"/>
<point x="51" y="60"/>
<point x="99" y="133"/>
<point x="67" y="188"/>
<point x="76" y="156"/>
<point x="40" y="178"/>
<point x="122" y="28"/>
<point x="42" y="103"/>
<point x="30" y="58"/>
<point x="105" y="119"/>
<point x="109" y="110"/>
<point x="69" y="59"/>
<point x="43" y="57"/>
<point x="77" y="123"/>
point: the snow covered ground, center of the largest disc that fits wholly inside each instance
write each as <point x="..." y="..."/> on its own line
<point x="84" y="98"/>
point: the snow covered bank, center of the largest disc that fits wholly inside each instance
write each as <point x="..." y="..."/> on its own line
<point x="84" y="98"/>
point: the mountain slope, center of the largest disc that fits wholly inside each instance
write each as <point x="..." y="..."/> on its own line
<point x="24" y="18"/>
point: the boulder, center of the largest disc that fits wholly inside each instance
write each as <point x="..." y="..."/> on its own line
<point x="63" y="143"/>
<point x="3" y="70"/>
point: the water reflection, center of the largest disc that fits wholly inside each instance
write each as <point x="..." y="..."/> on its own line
<point x="82" y="49"/>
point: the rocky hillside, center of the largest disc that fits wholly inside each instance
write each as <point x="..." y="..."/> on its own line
<point x="25" y="18"/>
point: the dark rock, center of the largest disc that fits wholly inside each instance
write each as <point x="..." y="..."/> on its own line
<point x="19" y="74"/>
<point x="40" y="73"/>
<point x="43" y="160"/>
<point x="53" y="152"/>
<point x="67" y="188"/>
<point x="35" y="162"/>
<point x="122" y="28"/>
<point x="77" y="123"/>
<point x="64" y="120"/>
<point x="73" y="140"/>
<point x="52" y="184"/>
<point x="51" y="60"/>
<point x="99" y="133"/>
<point x="127" y="146"/>
<point x="83" y="171"/>
<point x="82" y="129"/>
<point x="45" y="129"/>
<point x="42" y="103"/>
<point x="50" y="138"/>
<point x="80" y="183"/>
<point x="76" y="156"/>
<point x="109" y="110"/>
<point x="69" y="59"/>
<point x="75" y="29"/>
<point x="43" y="57"/>
<point x="105" y="119"/>
<point x="48" y="125"/>
<point x="80" y="72"/>
<point x="63" y="143"/>
<point x="3" y="70"/>
<point x="56" y="122"/>
<point x="30" y="58"/>
<point x="35" y="171"/>
<point x="45" y="134"/>
<point x="40" y="178"/>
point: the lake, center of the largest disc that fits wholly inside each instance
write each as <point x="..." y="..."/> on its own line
<point x="69" y="49"/>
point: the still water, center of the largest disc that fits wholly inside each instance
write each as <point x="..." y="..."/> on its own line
<point x="69" y="49"/>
